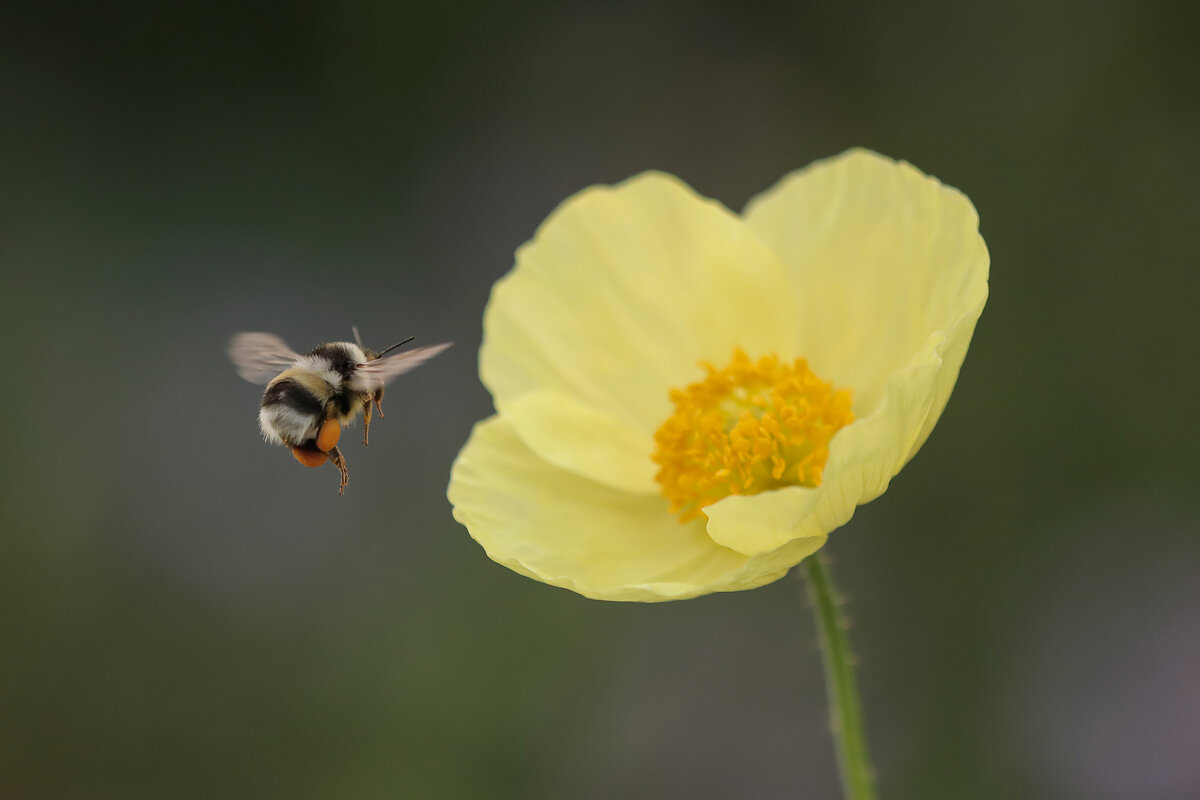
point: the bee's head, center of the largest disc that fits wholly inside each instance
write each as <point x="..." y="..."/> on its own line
<point x="372" y="355"/>
<point x="339" y="357"/>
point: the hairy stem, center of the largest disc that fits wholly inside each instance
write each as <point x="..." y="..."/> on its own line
<point x="845" y="710"/>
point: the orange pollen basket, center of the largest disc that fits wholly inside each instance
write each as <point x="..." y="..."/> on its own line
<point x="329" y="434"/>
<point x="327" y="439"/>
<point x="309" y="457"/>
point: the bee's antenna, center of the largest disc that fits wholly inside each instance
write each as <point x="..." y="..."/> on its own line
<point x="357" y="338"/>
<point x="393" y="347"/>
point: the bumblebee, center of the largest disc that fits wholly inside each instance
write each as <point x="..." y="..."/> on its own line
<point x="309" y="398"/>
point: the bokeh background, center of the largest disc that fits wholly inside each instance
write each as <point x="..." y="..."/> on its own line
<point x="186" y="613"/>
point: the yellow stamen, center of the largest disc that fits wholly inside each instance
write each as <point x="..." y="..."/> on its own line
<point x="747" y="428"/>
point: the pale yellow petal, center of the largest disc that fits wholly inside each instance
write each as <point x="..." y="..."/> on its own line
<point x="863" y="458"/>
<point x="759" y="523"/>
<point x="891" y="273"/>
<point x="601" y="446"/>
<point x="554" y="526"/>
<point x="880" y="256"/>
<point x="621" y="292"/>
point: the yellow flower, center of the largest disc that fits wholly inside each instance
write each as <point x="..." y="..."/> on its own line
<point x="689" y="401"/>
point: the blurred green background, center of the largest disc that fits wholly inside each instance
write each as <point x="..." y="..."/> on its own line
<point x="185" y="613"/>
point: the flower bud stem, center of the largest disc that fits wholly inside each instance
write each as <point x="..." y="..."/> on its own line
<point x="846" y="714"/>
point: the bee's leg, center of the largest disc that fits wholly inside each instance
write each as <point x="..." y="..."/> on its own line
<point x="378" y="401"/>
<point x="335" y="457"/>
<point x="366" y="421"/>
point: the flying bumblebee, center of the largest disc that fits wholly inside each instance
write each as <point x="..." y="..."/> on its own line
<point x="311" y="397"/>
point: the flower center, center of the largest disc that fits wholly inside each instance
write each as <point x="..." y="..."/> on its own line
<point x="747" y="428"/>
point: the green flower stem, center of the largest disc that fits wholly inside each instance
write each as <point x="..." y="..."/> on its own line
<point x="848" y="735"/>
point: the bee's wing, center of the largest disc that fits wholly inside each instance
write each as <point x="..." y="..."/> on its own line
<point x="259" y="357"/>
<point x="371" y="375"/>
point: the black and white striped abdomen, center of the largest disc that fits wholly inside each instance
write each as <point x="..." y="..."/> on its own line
<point x="293" y="407"/>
